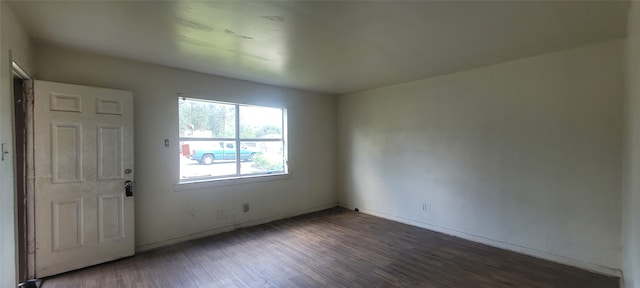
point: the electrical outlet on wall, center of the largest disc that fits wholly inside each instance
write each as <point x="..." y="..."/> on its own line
<point x="423" y="207"/>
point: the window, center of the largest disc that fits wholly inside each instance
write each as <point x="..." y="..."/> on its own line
<point x="215" y="135"/>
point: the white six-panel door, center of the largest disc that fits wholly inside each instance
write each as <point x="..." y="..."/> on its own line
<point x="83" y="157"/>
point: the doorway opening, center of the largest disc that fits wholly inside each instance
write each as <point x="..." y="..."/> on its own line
<point x="23" y="129"/>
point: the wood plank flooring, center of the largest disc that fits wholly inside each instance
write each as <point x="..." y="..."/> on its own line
<point x="331" y="248"/>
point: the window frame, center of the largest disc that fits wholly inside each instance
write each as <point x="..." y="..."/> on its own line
<point x="237" y="140"/>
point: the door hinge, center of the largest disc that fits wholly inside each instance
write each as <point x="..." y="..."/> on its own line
<point x="4" y="151"/>
<point x="31" y="247"/>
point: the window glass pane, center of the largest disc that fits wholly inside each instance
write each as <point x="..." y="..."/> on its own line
<point x="208" y="140"/>
<point x="262" y="157"/>
<point x="207" y="159"/>
<point x="204" y="119"/>
<point x="260" y="122"/>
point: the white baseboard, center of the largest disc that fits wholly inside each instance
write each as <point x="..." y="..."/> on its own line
<point x="496" y="243"/>
<point x="193" y="236"/>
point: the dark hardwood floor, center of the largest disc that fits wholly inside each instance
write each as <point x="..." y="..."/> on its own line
<point x="331" y="248"/>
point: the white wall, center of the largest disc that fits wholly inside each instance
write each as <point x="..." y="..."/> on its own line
<point x="524" y="155"/>
<point x="631" y="195"/>
<point x="164" y="215"/>
<point x="12" y="38"/>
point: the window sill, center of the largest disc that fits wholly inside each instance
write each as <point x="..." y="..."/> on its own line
<point x="212" y="183"/>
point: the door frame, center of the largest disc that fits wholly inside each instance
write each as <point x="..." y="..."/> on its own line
<point x="22" y="89"/>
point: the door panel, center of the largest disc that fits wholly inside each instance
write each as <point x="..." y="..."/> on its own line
<point x="67" y="225"/>
<point x="110" y="147"/>
<point x="66" y="152"/>
<point x="111" y="218"/>
<point x="83" y="146"/>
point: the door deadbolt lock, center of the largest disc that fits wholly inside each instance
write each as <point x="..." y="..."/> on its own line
<point x="128" y="188"/>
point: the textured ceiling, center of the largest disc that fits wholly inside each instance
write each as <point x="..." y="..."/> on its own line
<point x="333" y="47"/>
